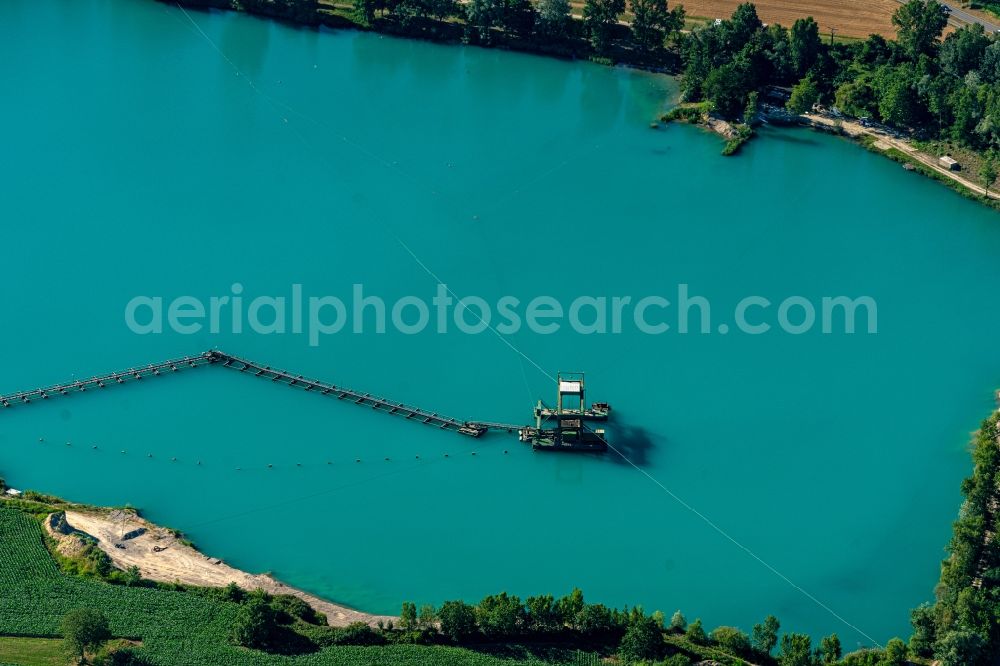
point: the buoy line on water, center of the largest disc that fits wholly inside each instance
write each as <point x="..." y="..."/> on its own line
<point x="417" y="463"/>
<point x="326" y="462"/>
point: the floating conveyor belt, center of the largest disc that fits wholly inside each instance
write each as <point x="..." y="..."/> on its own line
<point x="214" y="357"/>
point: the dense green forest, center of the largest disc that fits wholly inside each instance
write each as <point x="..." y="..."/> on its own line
<point x="937" y="88"/>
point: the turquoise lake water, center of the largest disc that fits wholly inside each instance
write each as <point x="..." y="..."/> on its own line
<point x="137" y="162"/>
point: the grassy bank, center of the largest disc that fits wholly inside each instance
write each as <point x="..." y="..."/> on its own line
<point x="32" y="651"/>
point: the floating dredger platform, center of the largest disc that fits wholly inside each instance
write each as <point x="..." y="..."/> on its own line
<point x="564" y="427"/>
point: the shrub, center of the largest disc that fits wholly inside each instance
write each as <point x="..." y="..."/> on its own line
<point x="357" y="633"/>
<point x="696" y="633"/>
<point x="643" y="639"/>
<point x="294" y="607"/>
<point x="458" y="620"/>
<point x="732" y="640"/>
<point x="500" y="615"/>
<point x="255" y="625"/>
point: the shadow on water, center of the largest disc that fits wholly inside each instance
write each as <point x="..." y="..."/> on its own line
<point x="372" y="56"/>
<point x="633" y="442"/>
<point x="788" y="136"/>
<point x="602" y="105"/>
<point x="246" y="43"/>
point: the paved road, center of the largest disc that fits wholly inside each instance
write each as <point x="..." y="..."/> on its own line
<point x="963" y="16"/>
<point x="959" y="17"/>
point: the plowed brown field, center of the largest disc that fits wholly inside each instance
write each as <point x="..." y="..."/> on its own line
<point x="850" y="18"/>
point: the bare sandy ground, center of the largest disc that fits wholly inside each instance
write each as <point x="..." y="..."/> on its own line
<point x="177" y="562"/>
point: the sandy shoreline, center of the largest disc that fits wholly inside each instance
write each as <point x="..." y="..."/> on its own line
<point x="176" y="562"/>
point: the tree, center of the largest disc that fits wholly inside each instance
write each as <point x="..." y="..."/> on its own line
<point x="553" y="19"/>
<point x="297" y="11"/>
<point x="963" y="50"/>
<point x="365" y="10"/>
<point x="482" y="15"/>
<point x="542" y="615"/>
<point x="518" y="17"/>
<point x="731" y="640"/>
<point x="727" y="87"/>
<point x="696" y="633"/>
<point x="895" y="653"/>
<point x="805" y="93"/>
<point x="796" y="650"/>
<point x="678" y="622"/>
<point x="440" y="9"/>
<point x="596" y="620"/>
<point x="570" y="606"/>
<point x="643" y="639"/>
<point x="857" y="98"/>
<point x="255" y="625"/>
<point x="924" y="630"/>
<point x="919" y="24"/>
<point x="84" y="629"/>
<point x="753" y="103"/>
<point x="651" y="22"/>
<point x="408" y="11"/>
<point x="989" y="66"/>
<point x="289" y="608"/>
<point x="765" y="635"/>
<point x="959" y="648"/>
<point x="829" y="649"/>
<point x="408" y="616"/>
<point x="898" y="101"/>
<point x="988" y="172"/>
<point x="133" y="576"/>
<point x="458" y="620"/>
<point x="500" y="615"/>
<point x="805" y="44"/>
<point x="427" y="616"/>
<point x="600" y="18"/>
<point x="741" y="27"/>
<point x="233" y="592"/>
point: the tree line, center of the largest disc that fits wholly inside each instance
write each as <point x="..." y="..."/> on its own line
<point x="538" y="25"/>
<point x="938" y="88"/>
<point x="542" y="22"/>
<point x="962" y="628"/>
<point x="630" y="633"/>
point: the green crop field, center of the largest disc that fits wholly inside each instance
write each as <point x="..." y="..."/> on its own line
<point x="175" y="627"/>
